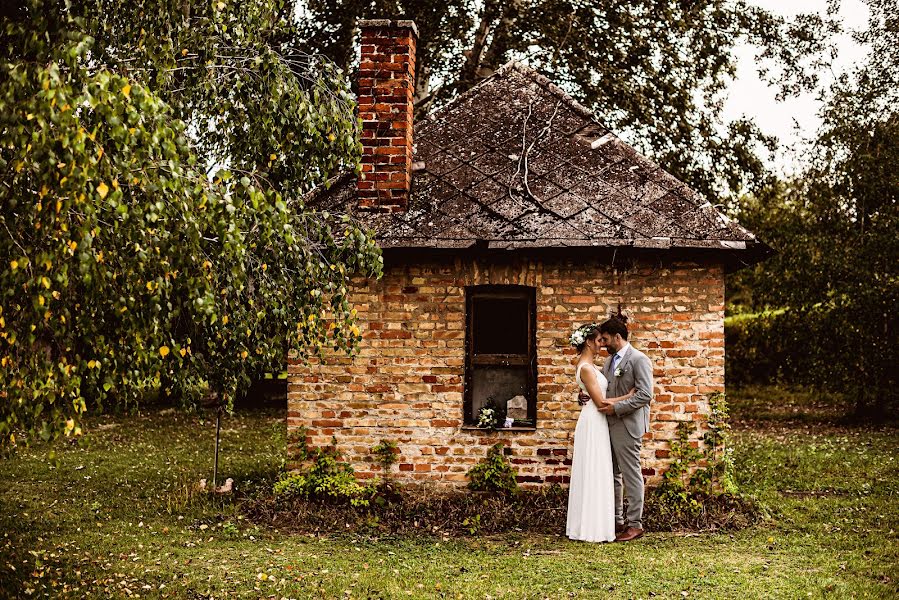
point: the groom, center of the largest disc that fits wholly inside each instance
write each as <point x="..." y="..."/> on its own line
<point x="626" y="369"/>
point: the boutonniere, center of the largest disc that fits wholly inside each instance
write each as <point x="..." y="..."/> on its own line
<point x="618" y="371"/>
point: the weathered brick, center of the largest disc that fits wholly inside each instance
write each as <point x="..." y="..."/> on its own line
<point x="409" y="388"/>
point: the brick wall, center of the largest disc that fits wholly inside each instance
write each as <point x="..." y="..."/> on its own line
<point x="386" y="86"/>
<point x="406" y="382"/>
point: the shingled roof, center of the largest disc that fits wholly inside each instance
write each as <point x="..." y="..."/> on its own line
<point x="515" y="162"/>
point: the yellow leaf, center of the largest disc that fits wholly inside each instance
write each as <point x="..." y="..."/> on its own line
<point x="225" y="320"/>
<point x="102" y="189"/>
<point x="183" y="351"/>
<point x="99" y="153"/>
<point x="243" y="354"/>
<point x="273" y="157"/>
<point x="13" y="264"/>
<point x="45" y="282"/>
<point x="126" y="90"/>
<point x="183" y="51"/>
<point x="354" y="330"/>
<point x="73" y="245"/>
<point x="91" y="364"/>
<point x="40" y="300"/>
<point x="163" y="351"/>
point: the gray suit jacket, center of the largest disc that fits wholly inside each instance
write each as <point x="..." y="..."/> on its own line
<point x="635" y="372"/>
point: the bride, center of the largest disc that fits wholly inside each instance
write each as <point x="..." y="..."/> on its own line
<point x="591" y="494"/>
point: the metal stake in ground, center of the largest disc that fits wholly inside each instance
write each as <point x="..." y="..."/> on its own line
<point x="218" y="429"/>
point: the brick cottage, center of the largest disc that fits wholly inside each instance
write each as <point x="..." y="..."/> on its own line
<point x="510" y="217"/>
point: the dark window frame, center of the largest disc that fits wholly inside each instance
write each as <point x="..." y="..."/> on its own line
<point x="473" y="361"/>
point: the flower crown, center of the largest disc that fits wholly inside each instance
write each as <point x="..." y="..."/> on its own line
<point x="580" y="335"/>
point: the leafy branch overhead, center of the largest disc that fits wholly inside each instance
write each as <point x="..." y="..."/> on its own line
<point x="656" y="72"/>
<point x="153" y="159"/>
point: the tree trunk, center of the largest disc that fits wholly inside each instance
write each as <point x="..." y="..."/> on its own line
<point x="496" y="53"/>
<point x="469" y="74"/>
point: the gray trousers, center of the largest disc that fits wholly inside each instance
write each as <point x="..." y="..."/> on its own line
<point x="626" y="470"/>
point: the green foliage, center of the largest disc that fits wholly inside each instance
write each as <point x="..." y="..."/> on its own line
<point x="386" y="453"/>
<point x="695" y="475"/>
<point x="472" y="524"/>
<point x="326" y="478"/>
<point x="654" y="69"/>
<point x="718" y="471"/>
<point x="126" y="266"/>
<point x="493" y="473"/>
<point x="836" y="272"/>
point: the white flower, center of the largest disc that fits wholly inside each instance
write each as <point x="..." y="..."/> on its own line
<point x="618" y="372"/>
<point x="486" y="418"/>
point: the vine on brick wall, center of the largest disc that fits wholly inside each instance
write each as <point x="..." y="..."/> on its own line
<point x="695" y="473"/>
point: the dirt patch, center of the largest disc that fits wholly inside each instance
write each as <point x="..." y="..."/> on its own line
<point x="462" y="513"/>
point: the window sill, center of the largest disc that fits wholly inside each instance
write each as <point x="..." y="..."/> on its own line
<point x="476" y="428"/>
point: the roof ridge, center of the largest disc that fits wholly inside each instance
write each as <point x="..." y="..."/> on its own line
<point x="554" y="89"/>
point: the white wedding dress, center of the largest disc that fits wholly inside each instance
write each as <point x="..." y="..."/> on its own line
<point x="591" y="494"/>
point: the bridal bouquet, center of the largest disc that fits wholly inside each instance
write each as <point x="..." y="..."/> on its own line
<point x="487" y="418"/>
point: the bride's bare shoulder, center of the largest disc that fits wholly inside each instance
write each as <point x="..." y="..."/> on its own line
<point x="590" y="373"/>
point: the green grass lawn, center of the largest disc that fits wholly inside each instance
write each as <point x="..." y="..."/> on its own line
<point x="118" y="516"/>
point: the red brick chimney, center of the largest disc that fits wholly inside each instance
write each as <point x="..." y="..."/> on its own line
<point x="386" y="86"/>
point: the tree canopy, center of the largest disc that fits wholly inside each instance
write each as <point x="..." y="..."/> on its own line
<point x="835" y="226"/>
<point x="132" y="257"/>
<point x="654" y="71"/>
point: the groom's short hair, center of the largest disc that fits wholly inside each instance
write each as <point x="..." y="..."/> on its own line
<point x="613" y="326"/>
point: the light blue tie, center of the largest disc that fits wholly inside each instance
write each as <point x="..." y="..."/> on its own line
<point x="614" y="359"/>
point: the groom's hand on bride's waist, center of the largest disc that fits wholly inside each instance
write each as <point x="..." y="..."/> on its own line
<point x="583" y="398"/>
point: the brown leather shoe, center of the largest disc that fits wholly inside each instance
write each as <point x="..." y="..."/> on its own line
<point x="620" y="528"/>
<point x="630" y="534"/>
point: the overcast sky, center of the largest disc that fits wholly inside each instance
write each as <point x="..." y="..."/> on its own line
<point x="750" y="96"/>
